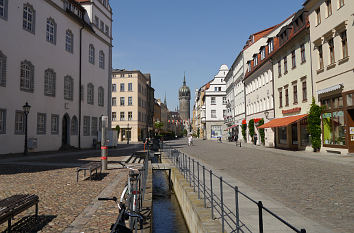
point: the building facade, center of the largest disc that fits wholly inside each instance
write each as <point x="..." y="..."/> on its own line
<point x="130" y="104"/>
<point x="332" y="38"/>
<point x="67" y="92"/>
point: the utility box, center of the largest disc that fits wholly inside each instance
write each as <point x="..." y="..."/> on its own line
<point x="32" y="143"/>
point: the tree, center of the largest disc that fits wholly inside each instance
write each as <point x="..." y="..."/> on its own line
<point x="251" y="128"/>
<point x="314" y="125"/>
<point x="118" y="131"/>
<point x="158" y="125"/>
<point x="244" y="128"/>
<point x="261" y="131"/>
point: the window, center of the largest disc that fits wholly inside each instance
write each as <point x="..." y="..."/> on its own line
<point x="19" y="122"/>
<point x="213" y="113"/>
<point x="249" y="66"/>
<point x="107" y="30"/>
<point x="295" y="93"/>
<point x="41" y="123"/>
<point x="255" y="60"/>
<point x="2" y="69"/>
<point x="318" y="16"/>
<point x="114" y="101"/>
<point x="262" y="53"/>
<point x="285" y="65"/>
<point x="96" y="21"/>
<point x="54" y="124"/>
<point x="91" y="54"/>
<point x="2" y="120"/>
<point x="224" y="100"/>
<point x="3" y="9"/>
<point x="69" y="41"/>
<point x="27" y="76"/>
<point x="122" y="87"/>
<point x="101" y="25"/>
<point x="130" y="86"/>
<point x="94" y="121"/>
<point x="49" y="82"/>
<point x="82" y="92"/>
<point x="86" y="126"/>
<point x="331" y="51"/>
<point x="279" y="69"/>
<point x="51" y="31"/>
<point x="286" y="97"/>
<point x="122" y="100"/>
<point x="90" y="93"/>
<point x="213" y="101"/>
<point x="28" y="18"/>
<point x="68" y="88"/>
<point x="293" y="59"/>
<point x="122" y="116"/>
<point x="270" y="46"/>
<point x="304" y="91"/>
<point x="74" y="126"/>
<point x="114" y="88"/>
<point x="101" y="59"/>
<point x="320" y="56"/>
<point x="282" y="135"/>
<point x="139" y="102"/>
<point x="216" y="131"/>
<point x="303" y="56"/>
<point x="341" y="3"/>
<point x="280" y="98"/>
<point x="114" y="116"/>
<point x="130" y="116"/>
<point x="100" y="96"/>
<point x="130" y="101"/>
<point x="329" y="8"/>
<point x="343" y="36"/>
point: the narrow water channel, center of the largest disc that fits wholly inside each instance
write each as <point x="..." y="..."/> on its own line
<point x="167" y="215"/>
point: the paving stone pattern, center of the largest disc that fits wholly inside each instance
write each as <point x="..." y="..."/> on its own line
<point x="320" y="189"/>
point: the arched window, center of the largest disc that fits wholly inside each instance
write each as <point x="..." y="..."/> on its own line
<point x="90" y="93"/>
<point x="2" y="70"/>
<point x="268" y="103"/>
<point x="51" y="31"/>
<point x="91" y="54"/>
<point x="100" y="96"/>
<point x="74" y="126"/>
<point x="27" y="76"/>
<point x="28" y="22"/>
<point x="68" y="88"/>
<point x="101" y="59"/>
<point x="69" y="41"/>
<point x="49" y="82"/>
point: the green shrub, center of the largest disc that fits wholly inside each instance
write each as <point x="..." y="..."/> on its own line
<point x="251" y="128"/>
<point x="244" y="128"/>
<point x="261" y="131"/>
<point x="314" y="125"/>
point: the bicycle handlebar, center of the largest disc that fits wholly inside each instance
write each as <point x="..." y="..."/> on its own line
<point x="107" y="199"/>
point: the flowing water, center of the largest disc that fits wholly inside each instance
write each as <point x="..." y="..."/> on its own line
<point x="167" y="215"/>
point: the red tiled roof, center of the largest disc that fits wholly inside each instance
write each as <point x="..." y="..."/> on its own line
<point x="285" y="121"/>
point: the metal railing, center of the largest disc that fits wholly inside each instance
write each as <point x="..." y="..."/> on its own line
<point x="196" y="174"/>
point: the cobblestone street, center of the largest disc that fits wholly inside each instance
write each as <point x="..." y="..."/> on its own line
<point x="62" y="199"/>
<point x="318" y="186"/>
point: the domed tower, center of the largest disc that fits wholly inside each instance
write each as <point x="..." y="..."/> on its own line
<point x="184" y="101"/>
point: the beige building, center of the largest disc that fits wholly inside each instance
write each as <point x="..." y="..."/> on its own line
<point x="332" y="39"/>
<point x="130" y="104"/>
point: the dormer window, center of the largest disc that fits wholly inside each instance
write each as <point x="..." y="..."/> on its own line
<point x="255" y="60"/>
<point x="249" y="66"/>
<point x="270" y="45"/>
<point x="263" y="53"/>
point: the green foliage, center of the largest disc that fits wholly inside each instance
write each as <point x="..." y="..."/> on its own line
<point x="118" y="130"/>
<point x="184" y="132"/>
<point x="251" y="128"/>
<point x="314" y="125"/>
<point x="261" y="131"/>
<point x="198" y="132"/>
<point x="244" y="128"/>
<point x="158" y="125"/>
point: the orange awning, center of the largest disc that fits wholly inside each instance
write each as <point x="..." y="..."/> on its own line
<point x="280" y="122"/>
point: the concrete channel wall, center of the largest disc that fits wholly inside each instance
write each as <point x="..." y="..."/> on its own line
<point x="197" y="217"/>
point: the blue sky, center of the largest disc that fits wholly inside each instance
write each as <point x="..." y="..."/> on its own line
<point x="169" y="37"/>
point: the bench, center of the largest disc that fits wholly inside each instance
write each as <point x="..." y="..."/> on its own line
<point x="92" y="166"/>
<point x="11" y="206"/>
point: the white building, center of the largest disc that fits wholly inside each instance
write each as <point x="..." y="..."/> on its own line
<point x="215" y="105"/>
<point x="55" y="55"/>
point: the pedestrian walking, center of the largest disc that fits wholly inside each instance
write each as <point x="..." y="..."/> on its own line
<point x="255" y="137"/>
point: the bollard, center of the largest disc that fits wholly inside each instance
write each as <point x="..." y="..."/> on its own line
<point x="222" y="206"/>
<point x="198" y="180"/>
<point x="211" y="195"/>
<point x="237" y="211"/>
<point x="193" y="177"/>
<point x="260" y="208"/>
<point x="204" y="186"/>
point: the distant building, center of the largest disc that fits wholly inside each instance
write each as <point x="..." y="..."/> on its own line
<point x="131" y="107"/>
<point x="184" y="101"/>
<point x="55" y="55"/>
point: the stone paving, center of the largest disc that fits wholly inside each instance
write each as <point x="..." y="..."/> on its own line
<point x="317" y="186"/>
<point x="53" y="178"/>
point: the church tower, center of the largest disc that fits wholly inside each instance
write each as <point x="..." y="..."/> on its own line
<point x="184" y="101"/>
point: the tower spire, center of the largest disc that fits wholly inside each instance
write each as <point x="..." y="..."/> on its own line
<point x="184" y="80"/>
<point x="165" y="101"/>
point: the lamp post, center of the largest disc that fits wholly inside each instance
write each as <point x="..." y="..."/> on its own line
<point x="26" y="108"/>
<point x="128" y="134"/>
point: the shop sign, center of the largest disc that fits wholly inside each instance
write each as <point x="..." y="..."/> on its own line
<point x="293" y="110"/>
<point x="351" y="130"/>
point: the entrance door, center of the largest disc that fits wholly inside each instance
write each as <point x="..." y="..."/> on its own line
<point x="350" y="133"/>
<point x="65" y="130"/>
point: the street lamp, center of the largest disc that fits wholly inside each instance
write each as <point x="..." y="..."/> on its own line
<point x="128" y="134"/>
<point x="26" y="108"/>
